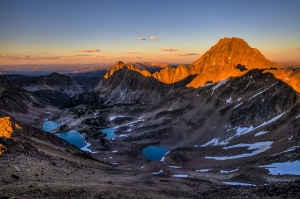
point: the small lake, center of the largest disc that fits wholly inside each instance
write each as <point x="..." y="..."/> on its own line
<point x="110" y="133"/>
<point x="50" y="125"/>
<point x="154" y="152"/>
<point x="73" y="137"/>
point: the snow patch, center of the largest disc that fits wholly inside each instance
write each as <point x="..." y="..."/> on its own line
<point x="262" y="91"/>
<point x="124" y="135"/>
<point x="257" y="148"/>
<point x="244" y="130"/>
<point x="288" y="150"/>
<point x="214" y="141"/>
<point x="220" y="83"/>
<point x="230" y="171"/>
<point x="297" y="117"/>
<point x="261" y="133"/>
<point x="203" y="170"/>
<point x="238" y="184"/>
<point x="239" y="99"/>
<point x="114" y="117"/>
<point x="156" y="173"/>
<point x="87" y="149"/>
<point x="238" y="105"/>
<point x="180" y="175"/>
<point x="229" y="100"/>
<point x="282" y="168"/>
<point x="115" y="151"/>
<point x="141" y="119"/>
<point x="174" y="167"/>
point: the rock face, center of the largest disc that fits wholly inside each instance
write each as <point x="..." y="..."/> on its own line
<point x="230" y="57"/>
<point x="128" y="84"/>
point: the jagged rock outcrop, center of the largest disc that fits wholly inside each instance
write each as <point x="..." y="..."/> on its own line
<point x="120" y="65"/>
<point x="127" y="84"/>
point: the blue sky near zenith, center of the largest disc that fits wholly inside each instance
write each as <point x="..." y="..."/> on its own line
<point x="105" y="31"/>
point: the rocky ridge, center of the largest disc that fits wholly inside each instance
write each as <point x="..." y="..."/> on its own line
<point x="230" y="57"/>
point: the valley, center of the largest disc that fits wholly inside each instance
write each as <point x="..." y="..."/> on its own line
<point x="228" y="125"/>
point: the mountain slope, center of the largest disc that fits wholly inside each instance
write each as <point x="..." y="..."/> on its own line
<point x="53" y="82"/>
<point x="17" y="102"/>
<point x="253" y="109"/>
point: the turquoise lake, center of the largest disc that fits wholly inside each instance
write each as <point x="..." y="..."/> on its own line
<point x="73" y="137"/>
<point x="50" y="125"/>
<point x="110" y="133"/>
<point x="154" y="152"/>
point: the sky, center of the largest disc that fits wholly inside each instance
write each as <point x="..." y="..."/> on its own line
<point x="172" y="31"/>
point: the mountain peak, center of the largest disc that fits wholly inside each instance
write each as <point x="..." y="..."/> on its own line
<point x="229" y="57"/>
<point x="120" y="65"/>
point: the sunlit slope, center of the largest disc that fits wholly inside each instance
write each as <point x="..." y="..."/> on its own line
<point x="230" y="57"/>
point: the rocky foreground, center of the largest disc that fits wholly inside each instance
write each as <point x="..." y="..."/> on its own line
<point x="37" y="164"/>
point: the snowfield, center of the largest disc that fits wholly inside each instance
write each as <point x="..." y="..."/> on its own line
<point x="282" y="168"/>
<point x="257" y="148"/>
<point x="241" y="131"/>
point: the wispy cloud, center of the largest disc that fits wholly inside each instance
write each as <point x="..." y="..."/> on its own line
<point x="116" y="41"/>
<point x="28" y="57"/>
<point x="169" y="49"/>
<point x="89" y="50"/>
<point x="83" y="55"/>
<point x="37" y="41"/>
<point x="141" y="38"/>
<point x="132" y="53"/>
<point x="132" y="57"/>
<point x="187" y="54"/>
<point x="295" y="49"/>
<point x="154" y="38"/>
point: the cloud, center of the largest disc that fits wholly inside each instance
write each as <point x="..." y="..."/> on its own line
<point x="83" y="55"/>
<point x="187" y="54"/>
<point x="169" y="49"/>
<point x="89" y="50"/>
<point x="132" y="57"/>
<point x="116" y="41"/>
<point x="37" y="41"/>
<point x="295" y="49"/>
<point x="154" y="38"/>
<point x="28" y="57"/>
<point x="54" y="57"/>
<point x="141" y="38"/>
<point x="132" y="53"/>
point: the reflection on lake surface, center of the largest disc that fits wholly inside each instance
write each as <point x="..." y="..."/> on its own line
<point x="154" y="152"/>
<point x="110" y="133"/>
<point x="50" y="125"/>
<point x="73" y="137"/>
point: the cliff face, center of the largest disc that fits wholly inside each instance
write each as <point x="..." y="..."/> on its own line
<point x="119" y="65"/>
<point x="229" y="57"/>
